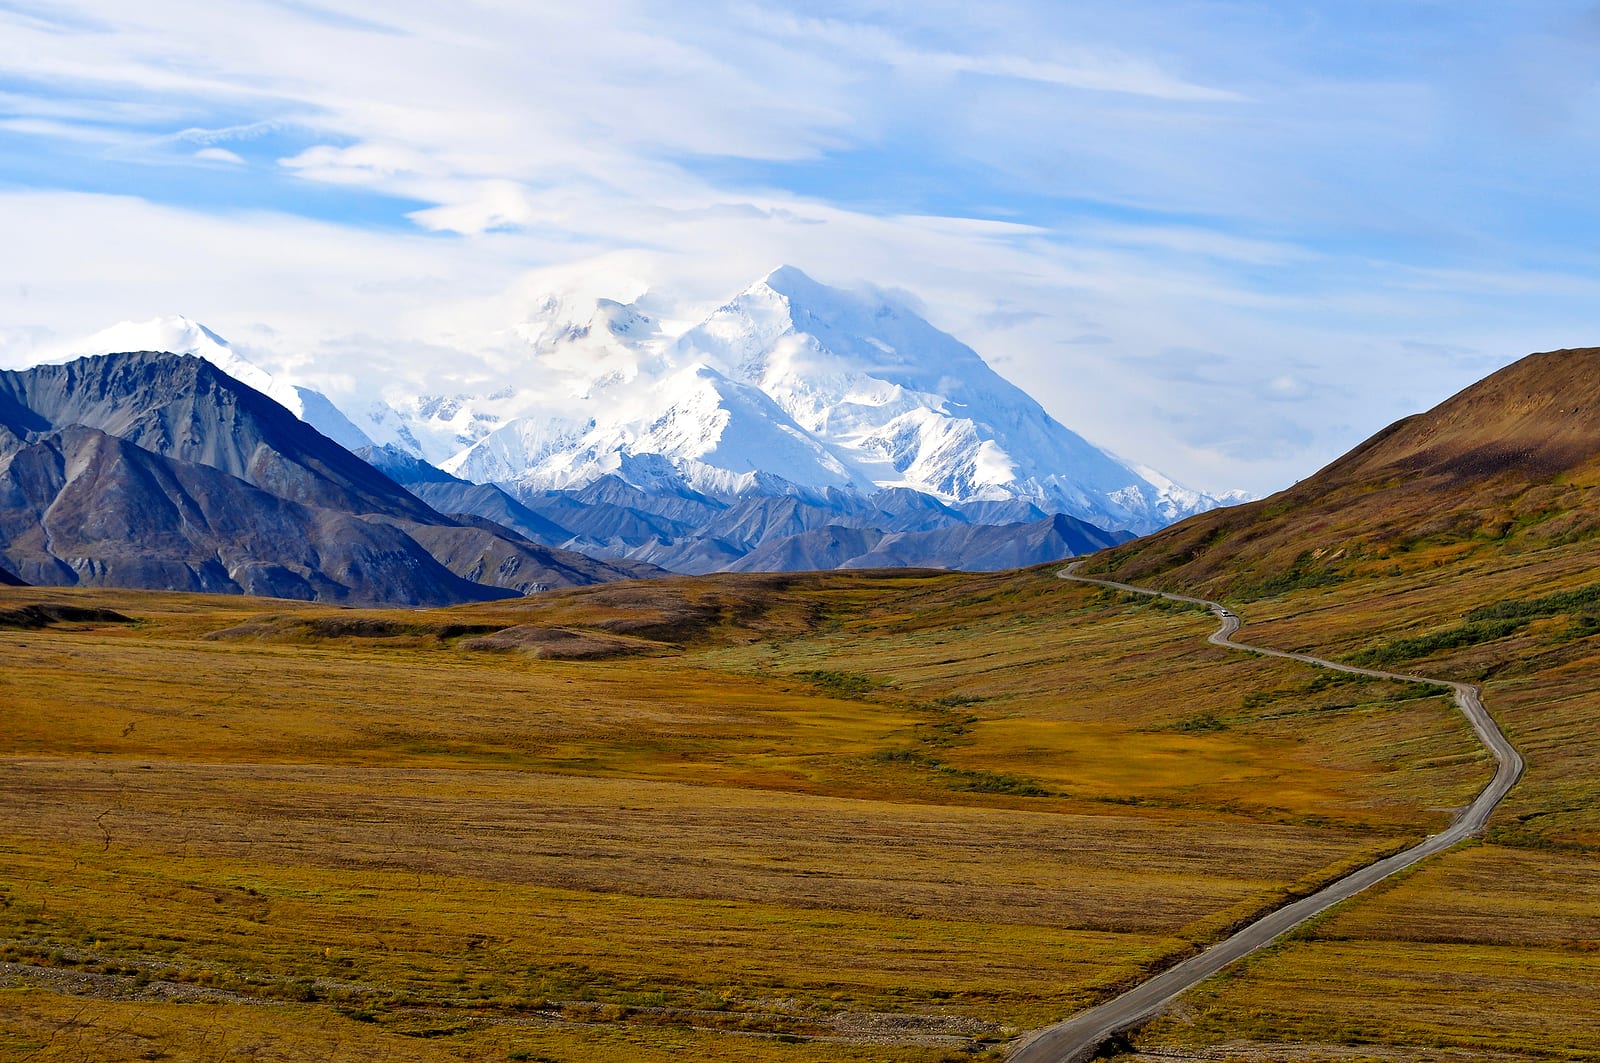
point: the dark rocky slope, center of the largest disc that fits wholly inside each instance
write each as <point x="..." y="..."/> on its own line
<point x="155" y="470"/>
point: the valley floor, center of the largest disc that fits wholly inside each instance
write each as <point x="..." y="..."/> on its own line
<point x="849" y="816"/>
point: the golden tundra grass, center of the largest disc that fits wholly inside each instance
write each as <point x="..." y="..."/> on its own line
<point x="856" y="816"/>
<point x="1488" y="952"/>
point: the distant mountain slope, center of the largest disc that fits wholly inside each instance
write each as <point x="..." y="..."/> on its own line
<point x="10" y="579"/>
<point x="1517" y="453"/>
<point x="450" y="494"/>
<point x="991" y="548"/>
<point x="971" y="548"/>
<point x="695" y="534"/>
<point x="151" y="469"/>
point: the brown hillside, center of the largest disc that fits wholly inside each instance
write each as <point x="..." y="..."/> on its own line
<point x="1457" y="543"/>
<point x="1516" y="453"/>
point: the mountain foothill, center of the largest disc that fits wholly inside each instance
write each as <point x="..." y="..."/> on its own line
<point x="1512" y="462"/>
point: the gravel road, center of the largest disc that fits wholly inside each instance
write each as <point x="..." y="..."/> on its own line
<point x="1077" y="1038"/>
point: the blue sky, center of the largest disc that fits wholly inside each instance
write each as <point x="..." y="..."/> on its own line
<point x="1228" y="240"/>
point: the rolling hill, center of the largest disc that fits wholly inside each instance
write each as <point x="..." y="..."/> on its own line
<point x="1512" y="460"/>
<point x="1458" y="543"/>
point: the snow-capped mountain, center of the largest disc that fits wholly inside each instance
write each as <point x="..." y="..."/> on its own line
<point x="180" y="335"/>
<point x="792" y="387"/>
<point x="694" y="426"/>
<point x="912" y="406"/>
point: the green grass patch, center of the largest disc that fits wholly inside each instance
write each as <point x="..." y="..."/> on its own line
<point x="1585" y="599"/>
<point x="840" y="684"/>
<point x="965" y="779"/>
<point x="1409" y="649"/>
<point x="1302" y="574"/>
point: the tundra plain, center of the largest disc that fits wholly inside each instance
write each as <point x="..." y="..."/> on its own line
<point x="845" y="816"/>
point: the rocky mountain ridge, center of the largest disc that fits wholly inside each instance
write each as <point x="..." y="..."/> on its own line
<point x="149" y="469"/>
<point x="695" y="534"/>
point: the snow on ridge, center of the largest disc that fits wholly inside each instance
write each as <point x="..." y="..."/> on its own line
<point x="175" y="334"/>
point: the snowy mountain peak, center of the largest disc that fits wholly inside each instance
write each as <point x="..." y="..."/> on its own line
<point x="870" y="331"/>
<point x="792" y="382"/>
<point x="559" y="321"/>
<point x="792" y="282"/>
<point x="584" y="345"/>
<point x="622" y="319"/>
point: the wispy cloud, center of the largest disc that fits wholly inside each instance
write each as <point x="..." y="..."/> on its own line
<point x="1091" y="69"/>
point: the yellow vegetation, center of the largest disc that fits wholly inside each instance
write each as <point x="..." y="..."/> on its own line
<point x="887" y="815"/>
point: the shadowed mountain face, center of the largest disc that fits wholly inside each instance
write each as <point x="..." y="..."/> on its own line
<point x="980" y="548"/>
<point x="186" y="409"/>
<point x="692" y="533"/>
<point x="84" y="507"/>
<point x="1517" y="452"/>
<point x="153" y="470"/>
<point x="9" y="579"/>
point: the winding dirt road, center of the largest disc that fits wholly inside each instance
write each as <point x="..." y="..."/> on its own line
<point x="1077" y="1038"/>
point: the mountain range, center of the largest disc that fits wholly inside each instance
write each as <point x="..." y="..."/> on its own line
<point x="796" y="426"/>
<point x="155" y="470"/>
<point x="791" y="388"/>
<point x="684" y="531"/>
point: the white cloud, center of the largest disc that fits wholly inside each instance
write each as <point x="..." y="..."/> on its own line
<point x="220" y="155"/>
<point x="367" y="163"/>
<point x="1092" y="69"/>
<point x="1099" y="73"/>
<point x="57" y="130"/>
<point x="494" y="205"/>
